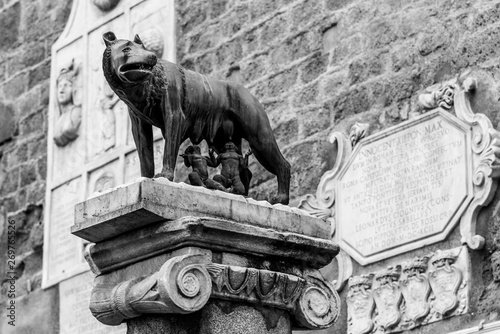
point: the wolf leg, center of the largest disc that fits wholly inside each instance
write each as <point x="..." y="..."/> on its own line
<point x="143" y="138"/>
<point x="173" y="133"/>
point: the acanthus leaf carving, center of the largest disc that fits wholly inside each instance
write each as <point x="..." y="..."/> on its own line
<point x="255" y="286"/>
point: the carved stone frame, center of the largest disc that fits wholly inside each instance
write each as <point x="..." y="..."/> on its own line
<point x="485" y="156"/>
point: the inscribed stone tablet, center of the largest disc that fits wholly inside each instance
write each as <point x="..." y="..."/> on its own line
<point x="74" y="314"/>
<point x="404" y="188"/>
<point x="64" y="250"/>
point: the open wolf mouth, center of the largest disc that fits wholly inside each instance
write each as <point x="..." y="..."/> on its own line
<point x="136" y="71"/>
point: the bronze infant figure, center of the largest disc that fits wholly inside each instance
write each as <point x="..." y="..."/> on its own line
<point x="185" y="104"/>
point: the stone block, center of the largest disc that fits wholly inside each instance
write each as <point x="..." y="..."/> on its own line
<point x="29" y="103"/>
<point x="31" y="124"/>
<point x="39" y="74"/>
<point x="314" y="68"/>
<point x="11" y="182"/>
<point x="153" y="200"/>
<point x="7" y="122"/>
<point x="28" y="174"/>
<point x="495" y="265"/>
<point x="15" y="87"/>
<point x="9" y="25"/>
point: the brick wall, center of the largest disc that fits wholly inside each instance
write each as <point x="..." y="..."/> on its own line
<point x="28" y="28"/>
<point x="317" y="66"/>
<point x="320" y="66"/>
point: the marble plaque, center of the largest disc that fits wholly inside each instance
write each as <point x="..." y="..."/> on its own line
<point x="404" y="188"/>
<point x="90" y="146"/>
<point x="63" y="254"/>
<point x="74" y="315"/>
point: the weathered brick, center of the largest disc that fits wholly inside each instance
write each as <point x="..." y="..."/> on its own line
<point x="308" y="95"/>
<point x="9" y="25"/>
<point x="28" y="174"/>
<point x="36" y="193"/>
<point x="361" y="69"/>
<point x="314" y="120"/>
<point x="229" y="53"/>
<point x="262" y="8"/>
<point x="29" y="103"/>
<point x="10" y="183"/>
<point x="217" y="8"/>
<point x="45" y="93"/>
<point x="287" y="132"/>
<point x="204" y="64"/>
<point x="16" y="86"/>
<point x="17" y="156"/>
<point x="273" y="30"/>
<point x="350" y="102"/>
<point x="37" y="148"/>
<point x="282" y="82"/>
<point x="314" y="67"/>
<point x="337" y="4"/>
<point x="250" y="43"/>
<point x="193" y="17"/>
<point x="7" y="122"/>
<point x="42" y="167"/>
<point x="39" y="74"/>
<point x="31" y="124"/>
<point x="304" y="13"/>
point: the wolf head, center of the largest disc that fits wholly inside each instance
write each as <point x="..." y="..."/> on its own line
<point x="128" y="61"/>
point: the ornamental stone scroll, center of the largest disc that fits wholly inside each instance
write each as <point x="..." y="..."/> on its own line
<point x="182" y="285"/>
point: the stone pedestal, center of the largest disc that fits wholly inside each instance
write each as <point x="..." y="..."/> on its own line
<point x="174" y="258"/>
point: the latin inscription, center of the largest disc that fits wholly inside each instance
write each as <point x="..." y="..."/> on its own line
<point x="403" y="187"/>
<point x="64" y="249"/>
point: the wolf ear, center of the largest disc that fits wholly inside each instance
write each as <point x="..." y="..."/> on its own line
<point x="137" y="39"/>
<point x="109" y="38"/>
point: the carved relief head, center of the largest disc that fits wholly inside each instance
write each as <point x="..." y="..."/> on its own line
<point x="65" y="87"/>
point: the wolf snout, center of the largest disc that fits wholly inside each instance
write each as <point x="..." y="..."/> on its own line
<point x="152" y="59"/>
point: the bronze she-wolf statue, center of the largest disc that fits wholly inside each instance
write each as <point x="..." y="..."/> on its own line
<point x="185" y="104"/>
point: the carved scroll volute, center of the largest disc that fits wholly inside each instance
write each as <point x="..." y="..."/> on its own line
<point x="485" y="162"/>
<point x="416" y="289"/>
<point x="388" y="298"/>
<point x="318" y="306"/>
<point x="322" y="204"/>
<point x="445" y="281"/>
<point x="182" y="285"/>
<point x="360" y="304"/>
